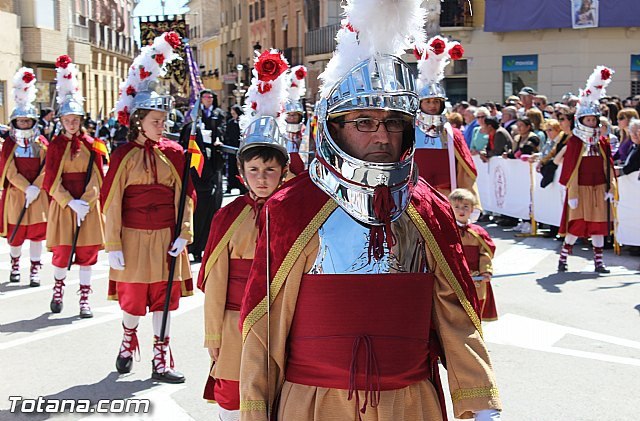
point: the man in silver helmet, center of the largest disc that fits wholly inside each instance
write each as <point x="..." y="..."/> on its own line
<point x="23" y="209"/>
<point x="358" y="284"/>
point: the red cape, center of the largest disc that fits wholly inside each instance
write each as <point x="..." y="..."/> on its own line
<point x="573" y="153"/>
<point x="172" y="150"/>
<point x="484" y="236"/>
<point x="298" y="203"/>
<point x="220" y="225"/>
<point x="55" y="153"/>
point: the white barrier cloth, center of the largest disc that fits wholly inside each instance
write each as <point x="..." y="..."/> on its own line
<point x="628" y="228"/>
<point x="504" y="186"/>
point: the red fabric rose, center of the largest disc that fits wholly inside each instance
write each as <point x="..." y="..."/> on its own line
<point x="68" y="76"/>
<point x="599" y="86"/>
<point x="144" y="74"/>
<point x="263" y="88"/>
<point x="301" y="73"/>
<point x="587" y="92"/>
<point x="456" y="52"/>
<point x="159" y="58"/>
<point x="28" y="77"/>
<point x="131" y="91"/>
<point x="173" y="39"/>
<point x="63" y="61"/>
<point x="123" y="116"/>
<point x="418" y="54"/>
<point x="294" y="85"/>
<point x="605" y="74"/>
<point x="438" y="46"/>
<point x="254" y="105"/>
<point x="270" y="66"/>
<point x="349" y="27"/>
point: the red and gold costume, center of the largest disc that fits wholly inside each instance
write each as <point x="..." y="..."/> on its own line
<point x="141" y="196"/>
<point x="16" y="174"/>
<point x="584" y="173"/>
<point x="478" y="251"/>
<point x="338" y="342"/>
<point x="64" y="180"/>
<point x="223" y="277"/>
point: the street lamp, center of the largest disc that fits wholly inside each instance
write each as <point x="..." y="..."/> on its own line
<point x="230" y="57"/>
<point x="239" y="92"/>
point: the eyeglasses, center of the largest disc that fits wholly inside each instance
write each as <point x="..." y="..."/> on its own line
<point x="207" y="96"/>
<point x="369" y="125"/>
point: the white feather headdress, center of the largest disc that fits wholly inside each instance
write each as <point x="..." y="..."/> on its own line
<point x="24" y="88"/>
<point x="147" y="67"/>
<point x="433" y="57"/>
<point x="268" y="91"/>
<point x="596" y="86"/>
<point x="67" y="84"/>
<point x="297" y="85"/>
<point x="370" y="28"/>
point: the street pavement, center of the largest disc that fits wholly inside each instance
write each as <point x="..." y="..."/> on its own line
<point x="566" y="346"/>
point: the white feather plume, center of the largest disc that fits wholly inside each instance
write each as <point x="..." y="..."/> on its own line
<point x="265" y="98"/>
<point x="431" y="66"/>
<point x="373" y="27"/>
<point x="24" y="93"/>
<point x="67" y="84"/>
<point x="296" y="86"/>
<point x="146" y="67"/>
<point x="596" y="85"/>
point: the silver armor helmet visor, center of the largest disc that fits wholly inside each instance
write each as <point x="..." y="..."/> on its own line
<point x="70" y="106"/>
<point x="24" y="137"/>
<point x="378" y="83"/>
<point x="293" y="107"/>
<point x="431" y="125"/>
<point x="263" y="131"/>
<point x="294" y="127"/>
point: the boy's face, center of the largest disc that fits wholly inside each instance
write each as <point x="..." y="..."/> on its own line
<point x="262" y="177"/>
<point x="462" y="210"/>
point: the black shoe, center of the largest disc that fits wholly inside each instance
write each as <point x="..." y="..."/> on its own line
<point x="562" y="266"/>
<point x="123" y="365"/>
<point x="602" y="269"/>
<point x="171" y="376"/>
<point x="56" y="306"/>
<point x="14" y="277"/>
<point x="34" y="283"/>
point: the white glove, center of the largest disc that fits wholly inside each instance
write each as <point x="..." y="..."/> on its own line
<point x="116" y="260"/>
<point x="608" y="196"/>
<point x="573" y="203"/>
<point x="177" y="247"/>
<point x="487" y="415"/>
<point x="30" y="194"/>
<point x="81" y="208"/>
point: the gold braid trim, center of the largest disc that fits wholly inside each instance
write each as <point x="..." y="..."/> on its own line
<point x="477" y="392"/>
<point x="288" y="262"/>
<point x="253" y="406"/>
<point x="444" y="265"/>
<point x="213" y="337"/>
<point x="464" y="164"/>
<point x="481" y="241"/>
<point x="213" y="257"/>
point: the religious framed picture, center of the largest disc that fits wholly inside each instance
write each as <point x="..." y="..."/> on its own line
<point x="584" y="13"/>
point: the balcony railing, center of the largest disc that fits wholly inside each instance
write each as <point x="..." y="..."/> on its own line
<point x="321" y="40"/>
<point x="455" y="13"/>
<point x="78" y="32"/>
<point x="293" y="55"/>
<point x="109" y="39"/>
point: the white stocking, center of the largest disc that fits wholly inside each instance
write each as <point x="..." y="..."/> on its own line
<point x="129" y="320"/>
<point x="85" y="275"/>
<point x="570" y="239"/>
<point x="597" y="240"/>
<point x="15" y="251"/>
<point x="59" y="273"/>
<point x="227" y="415"/>
<point x="35" y="251"/>
<point x="157" y="323"/>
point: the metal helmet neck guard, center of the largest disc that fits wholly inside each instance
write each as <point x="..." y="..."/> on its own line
<point x="379" y="83"/>
<point x="263" y="131"/>
<point x="430" y="124"/>
<point x="24" y="136"/>
<point x="588" y="135"/>
<point x="70" y="106"/>
<point x="149" y="99"/>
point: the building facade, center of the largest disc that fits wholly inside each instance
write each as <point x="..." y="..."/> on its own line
<point x="9" y="55"/>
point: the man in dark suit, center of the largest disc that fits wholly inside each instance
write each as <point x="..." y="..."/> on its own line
<point x="500" y="139"/>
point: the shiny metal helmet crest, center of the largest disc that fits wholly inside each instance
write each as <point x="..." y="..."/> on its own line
<point x="70" y="106"/>
<point x="379" y="83"/>
<point x="28" y="111"/>
<point x="432" y="90"/>
<point x="293" y="107"/>
<point x="263" y="131"/>
<point x="148" y="98"/>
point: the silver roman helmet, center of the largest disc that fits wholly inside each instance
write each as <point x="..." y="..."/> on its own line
<point x="263" y="131"/>
<point x="24" y="93"/>
<point x="588" y="105"/>
<point x="150" y="97"/>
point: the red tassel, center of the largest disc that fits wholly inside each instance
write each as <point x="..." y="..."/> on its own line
<point x="383" y="207"/>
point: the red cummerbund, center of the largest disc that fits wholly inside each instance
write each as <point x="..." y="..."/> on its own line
<point x="361" y="332"/>
<point x="433" y="166"/>
<point x="591" y="171"/>
<point x="238" y="275"/>
<point x="472" y="255"/>
<point x="28" y="168"/>
<point x="148" y="206"/>
<point x="74" y="183"/>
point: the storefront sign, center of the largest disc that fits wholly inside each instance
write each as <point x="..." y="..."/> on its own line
<point x="519" y="63"/>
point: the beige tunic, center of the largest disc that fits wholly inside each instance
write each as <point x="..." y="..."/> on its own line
<point x="145" y="251"/>
<point x="220" y="324"/>
<point x="62" y="219"/>
<point x="471" y="379"/>
<point x="15" y="199"/>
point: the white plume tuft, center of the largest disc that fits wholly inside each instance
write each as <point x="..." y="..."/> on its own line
<point x="373" y="27"/>
<point x="296" y="84"/>
<point x="435" y="55"/>
<point x="596" y="85"/>
<point x="24" y="93"/>
<point x="265" y="97"/>
<point x="67" y="82"/>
